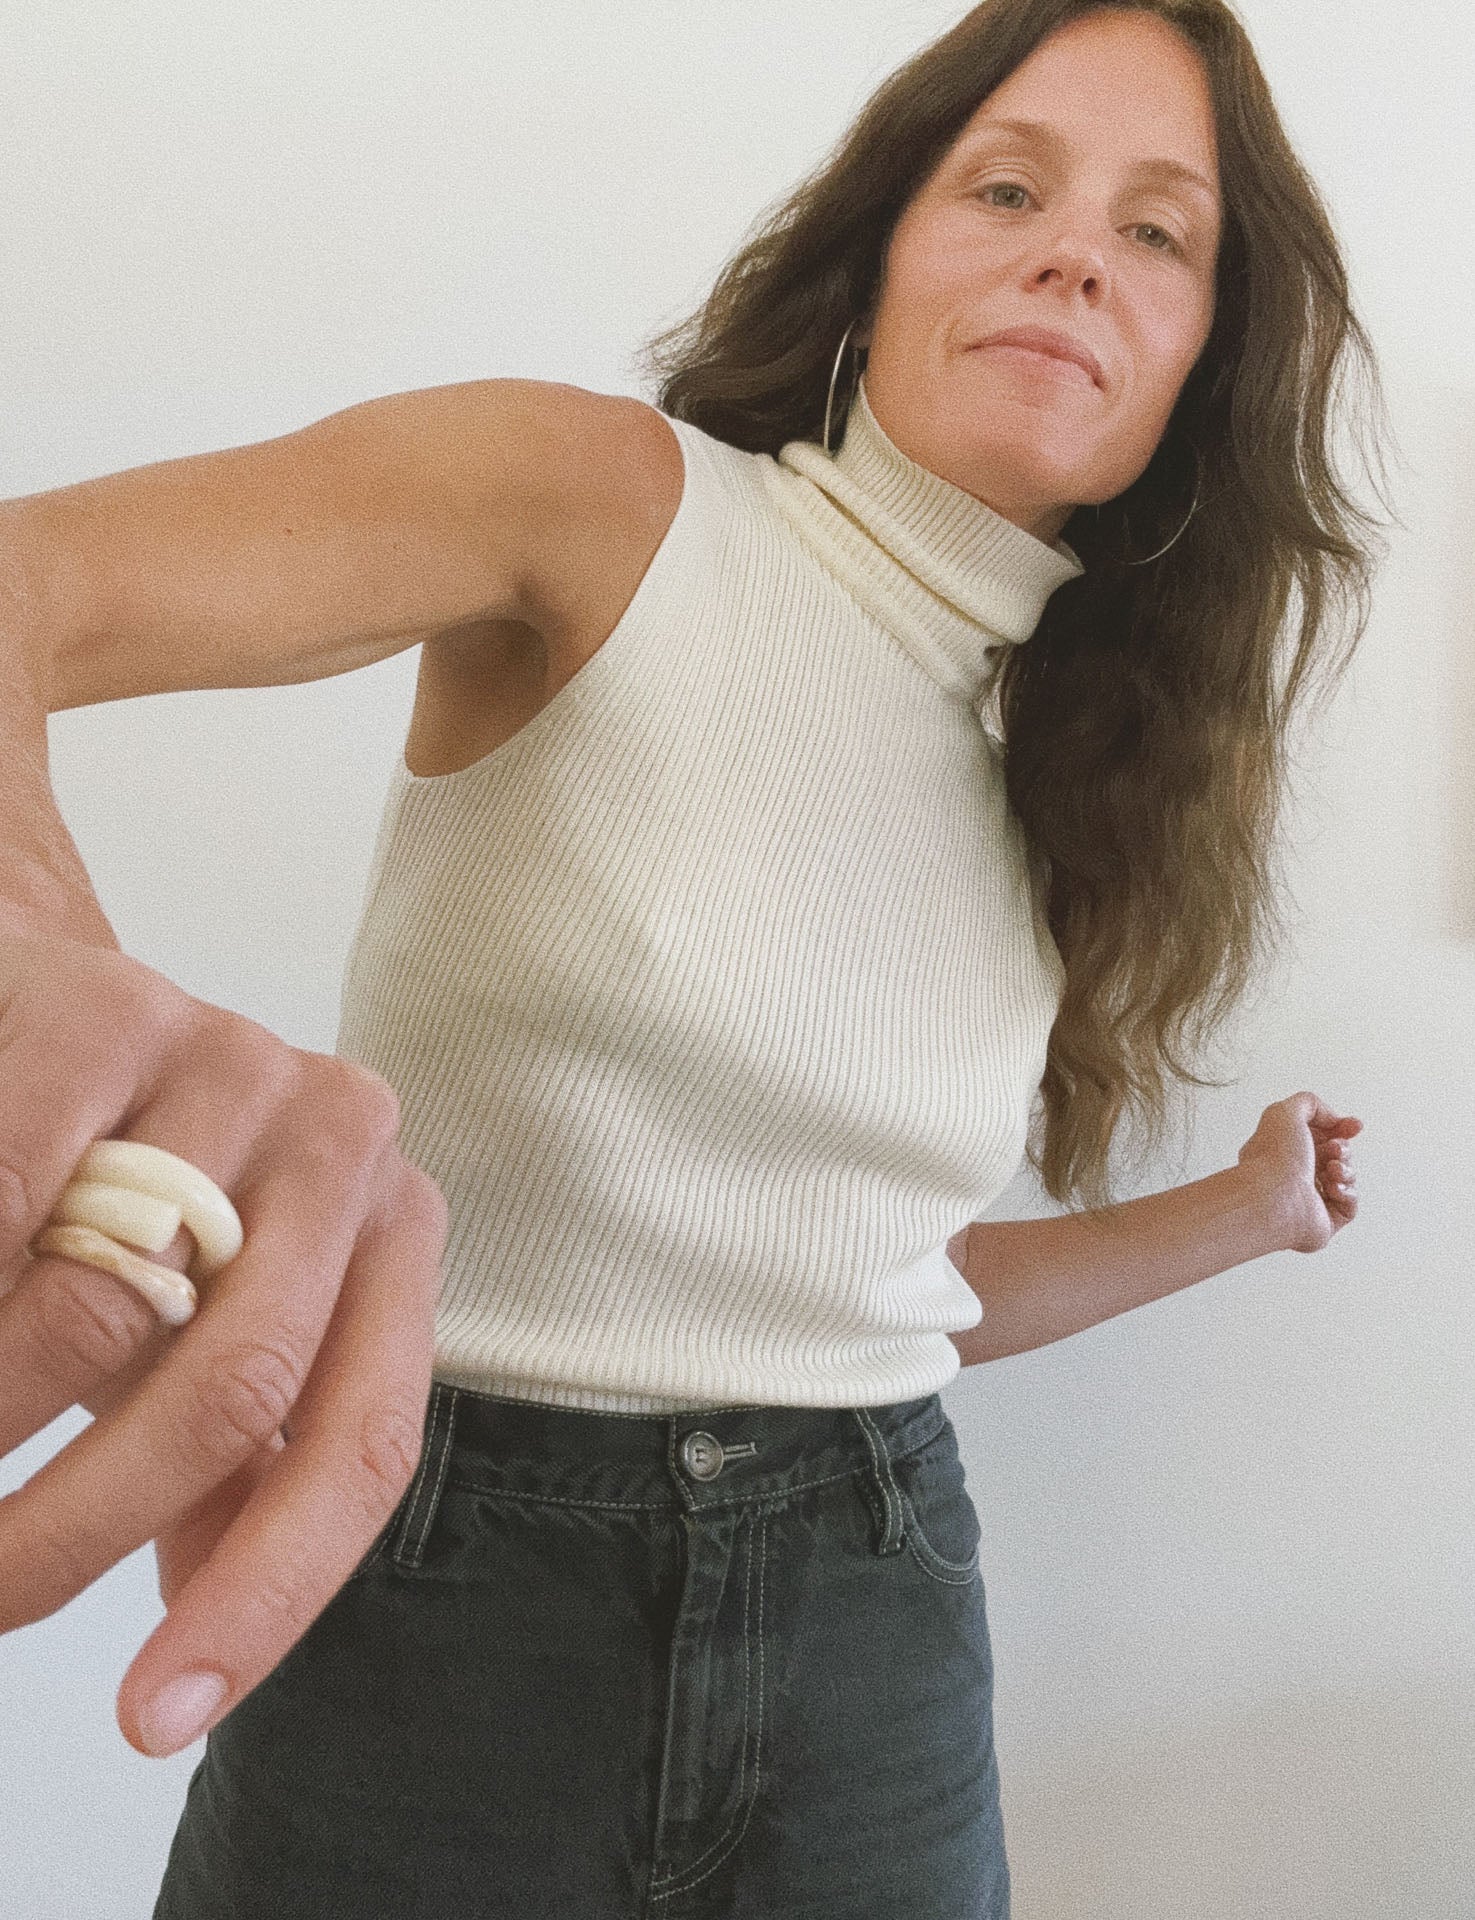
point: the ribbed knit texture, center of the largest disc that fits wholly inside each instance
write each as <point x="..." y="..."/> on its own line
<point x="716" y="998"/>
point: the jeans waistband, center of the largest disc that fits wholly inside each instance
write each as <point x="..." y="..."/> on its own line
<point x="696" y="1458"/>
<point x="693" y="1461"/>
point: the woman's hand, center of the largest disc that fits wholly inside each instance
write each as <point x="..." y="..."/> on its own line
<point x="326" y="1315"/>
<point x="1299" y="1150"/>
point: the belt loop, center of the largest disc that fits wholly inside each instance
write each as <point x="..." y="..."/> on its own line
<point x="881" y="1488"/>
<point x="425" y="1489"/>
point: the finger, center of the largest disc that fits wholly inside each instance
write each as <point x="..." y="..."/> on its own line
<point x="222" y="1386"/>
<point x="65" y="1090"/>
<point x="1332" y="1175"/>
<point x="1337" y="1189"/>
<point x="357" y="1431"/>
<point x="182" y="1547"/>
<point x="1336" y="1126"/>
<point x="65" y="1329"/>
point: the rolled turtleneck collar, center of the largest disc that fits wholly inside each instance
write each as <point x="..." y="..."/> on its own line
<point x="955" y="581"/>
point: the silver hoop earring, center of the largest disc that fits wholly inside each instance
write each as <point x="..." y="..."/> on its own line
<point x="834" y="376"/>
<point x="1197" y="481"/>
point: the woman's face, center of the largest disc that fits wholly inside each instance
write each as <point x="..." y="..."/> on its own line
<point x="1083" y="223"/>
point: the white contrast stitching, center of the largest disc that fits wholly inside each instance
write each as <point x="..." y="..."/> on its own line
<point x="684" y="1883"/>
<point x="881" y="1462"/>
<point x="442" y="1433"/>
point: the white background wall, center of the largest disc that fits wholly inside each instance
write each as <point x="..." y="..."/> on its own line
<point x="1227" y="1538"/>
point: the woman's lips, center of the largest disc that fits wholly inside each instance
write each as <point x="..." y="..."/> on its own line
<point x="1033" y="356"/>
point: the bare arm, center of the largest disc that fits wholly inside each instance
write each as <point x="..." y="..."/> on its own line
<point x="294" y="559"/>
<point x="1043" y="1280"/>
<point x="329" y="548"/>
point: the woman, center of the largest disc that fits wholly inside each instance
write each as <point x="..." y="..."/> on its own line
<point x="716" y="991"/>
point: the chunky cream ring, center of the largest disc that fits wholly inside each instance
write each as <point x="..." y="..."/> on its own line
<point x="125" y="1194"/>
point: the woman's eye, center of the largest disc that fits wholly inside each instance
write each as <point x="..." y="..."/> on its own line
<point x="1163" y="243"/>
<point x="1163" y="234"/>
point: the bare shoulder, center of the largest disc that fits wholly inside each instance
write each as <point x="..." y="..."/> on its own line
<point x="577" y="491"/>
<point x="603" y="478"/>
<point x="565" y="492"/>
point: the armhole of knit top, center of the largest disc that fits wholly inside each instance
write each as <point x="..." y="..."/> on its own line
<point x="605" y="658"/>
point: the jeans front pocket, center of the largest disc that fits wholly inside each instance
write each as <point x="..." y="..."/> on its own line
<point x="943" y="1531"/>
<point x="415" y="1510"/>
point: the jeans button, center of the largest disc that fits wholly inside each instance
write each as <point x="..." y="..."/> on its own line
<point x="702" y="1456"/>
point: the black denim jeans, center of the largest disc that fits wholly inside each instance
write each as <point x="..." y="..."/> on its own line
<point x="606" y="1666"/>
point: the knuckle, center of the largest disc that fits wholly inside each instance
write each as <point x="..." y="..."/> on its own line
<point x="281" y="1598"/>
<point x="242" y="1399"/>
<point x="389" y="1448"/>
<point x="426" y="1199"/>
<point x="129" y="1009"/>
<point x="90" y="1323"/>
<point x="347" y="1115"/>
<point x="143" y="996"/>
<point x="370" y="1094"/>
<point x="236" y="1048"/>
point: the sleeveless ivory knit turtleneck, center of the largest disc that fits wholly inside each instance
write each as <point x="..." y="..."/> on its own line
<point x="716" y="998"/>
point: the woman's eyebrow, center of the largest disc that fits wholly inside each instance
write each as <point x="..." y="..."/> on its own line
<point x="1043" y="134"/>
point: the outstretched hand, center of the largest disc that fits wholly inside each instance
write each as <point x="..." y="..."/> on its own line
<point x="1300" y="1150"/>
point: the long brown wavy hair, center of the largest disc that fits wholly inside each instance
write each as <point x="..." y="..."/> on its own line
<point x="1148" y="722"/>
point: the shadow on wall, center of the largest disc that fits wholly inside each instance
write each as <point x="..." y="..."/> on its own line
<point x="1323" y="1807"/>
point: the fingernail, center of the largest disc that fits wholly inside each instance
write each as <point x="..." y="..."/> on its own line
<point x="178" y="1712"/>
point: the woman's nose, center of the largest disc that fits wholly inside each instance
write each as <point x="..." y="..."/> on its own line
<point x="1075" y="261"/>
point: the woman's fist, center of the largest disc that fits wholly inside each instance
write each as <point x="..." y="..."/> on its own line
<point x="1300" y="1149"/>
